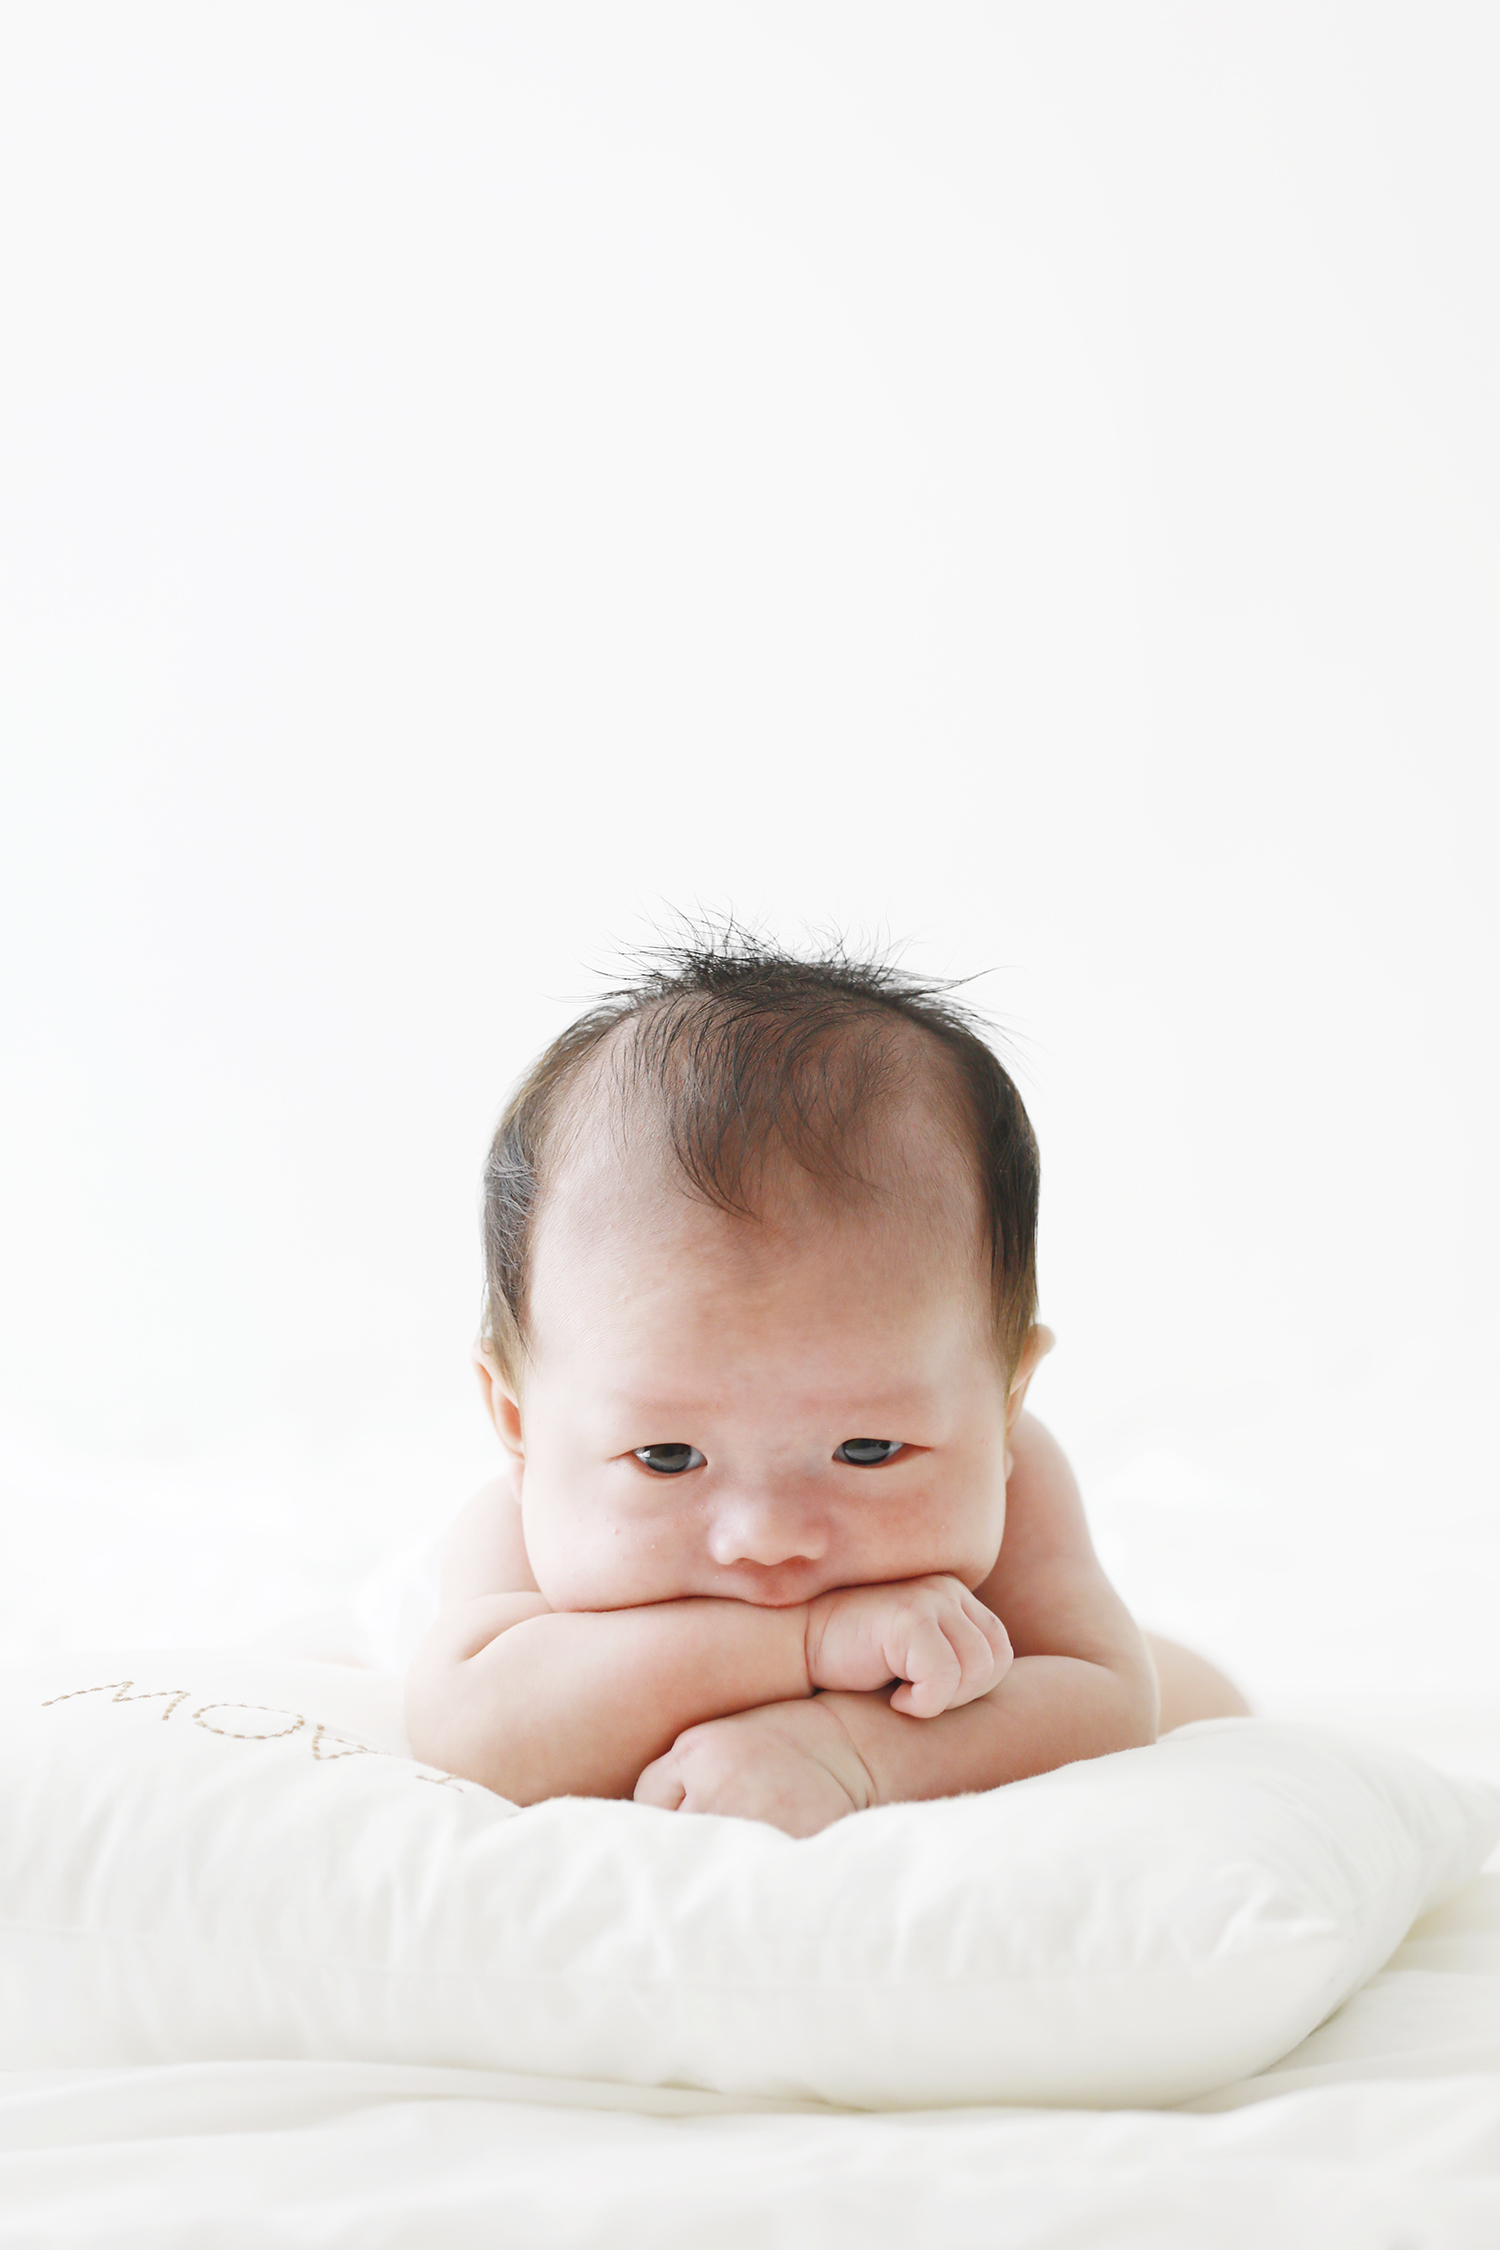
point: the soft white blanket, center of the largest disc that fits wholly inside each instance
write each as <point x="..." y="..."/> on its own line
<point x="1381" y="2131"/>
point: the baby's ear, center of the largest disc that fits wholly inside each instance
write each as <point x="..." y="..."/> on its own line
<point x="500" y="1401"/>
<point x="1039" y="1341"/>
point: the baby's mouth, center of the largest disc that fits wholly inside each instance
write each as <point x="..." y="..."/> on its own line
<point x="774" y="1585"/>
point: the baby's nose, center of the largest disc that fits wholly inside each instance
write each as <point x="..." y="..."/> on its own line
<point x="766" y="1528"/>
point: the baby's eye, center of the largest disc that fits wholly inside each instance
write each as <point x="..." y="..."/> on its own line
<point x="867" y="1452"/>
<point x="669" y="1460"/>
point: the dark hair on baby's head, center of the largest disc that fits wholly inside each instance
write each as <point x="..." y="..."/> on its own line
<point x="744" y="1053"/>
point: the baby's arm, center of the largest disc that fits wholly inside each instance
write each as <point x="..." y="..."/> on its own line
<point x="540" y="1703"/>
<point x="1082" y="1684"/>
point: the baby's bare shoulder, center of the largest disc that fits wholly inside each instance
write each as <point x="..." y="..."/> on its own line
<point x="1043" y="1501"/>
<point x="1047" y="1586"/>
<point x="485" y="1552"/>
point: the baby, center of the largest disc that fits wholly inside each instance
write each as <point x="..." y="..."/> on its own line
<point x="775" y="1535"/>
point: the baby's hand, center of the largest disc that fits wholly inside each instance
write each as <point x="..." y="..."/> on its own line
<point x="791" y="1764"/>
<point x="932" y="1634"/>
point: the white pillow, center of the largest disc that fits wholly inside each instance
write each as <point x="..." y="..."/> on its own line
<point x="230" y="1855"/>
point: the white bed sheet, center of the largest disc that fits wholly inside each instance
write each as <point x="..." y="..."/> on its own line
<point x="1381" y="2132"/>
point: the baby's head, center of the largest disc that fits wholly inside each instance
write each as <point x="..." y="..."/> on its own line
<point x="761" y="1285"/>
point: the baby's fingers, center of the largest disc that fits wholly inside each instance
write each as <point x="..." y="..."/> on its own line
<point x="662" y="1784"/>
<point x="978" y="1653"/>
<point x="933" y="1671"/>
<point x="996" y="1637"/>
<point x="949" y="1663"/>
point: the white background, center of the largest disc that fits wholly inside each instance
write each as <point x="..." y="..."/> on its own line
<point x="1020" y="481"/>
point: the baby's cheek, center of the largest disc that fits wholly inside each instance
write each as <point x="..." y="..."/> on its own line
<point x="557" y="1552"/>
<point x="591" y="1560"/>
<point x="962" y="1535"/>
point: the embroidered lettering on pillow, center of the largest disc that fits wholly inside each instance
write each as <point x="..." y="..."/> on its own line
<point x="238" y="1722"/>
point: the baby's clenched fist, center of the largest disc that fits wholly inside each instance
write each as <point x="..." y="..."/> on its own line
<point x="931" y="1634"/>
